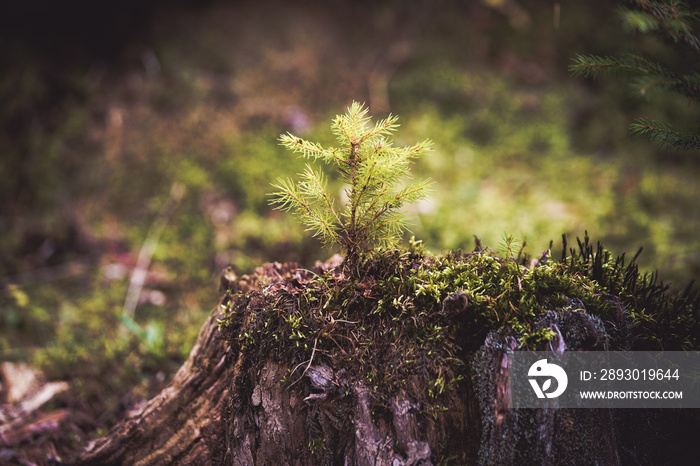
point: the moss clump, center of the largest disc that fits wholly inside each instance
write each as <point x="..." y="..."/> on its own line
<point x="414" y="325"/>
<point x="411" y="319"/>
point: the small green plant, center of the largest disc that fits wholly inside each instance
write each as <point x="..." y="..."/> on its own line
<point x="375" y="172"/>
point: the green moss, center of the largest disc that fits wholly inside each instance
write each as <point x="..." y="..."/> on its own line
<point x="413" y="321"/>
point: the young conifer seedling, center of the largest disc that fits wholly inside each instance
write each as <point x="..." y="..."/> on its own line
<point x="375" y="172"/>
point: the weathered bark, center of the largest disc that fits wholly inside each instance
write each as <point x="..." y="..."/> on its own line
<point x="326" y="427"/>
<point x="201" y="417"/>
<point x="193" y="422"/>
<point x="536" y="436"/>
<point x="223" y="409"/>
<point x="183" y="424"/>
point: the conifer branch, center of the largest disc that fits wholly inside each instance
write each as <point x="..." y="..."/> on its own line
<point x="593" y="66"/>
<point x="667" y="135"/>
<point x="673" y="20"/>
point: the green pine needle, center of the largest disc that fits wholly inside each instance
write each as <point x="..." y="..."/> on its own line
<point x="667" y="135"/>
<point x="672" y="20"/>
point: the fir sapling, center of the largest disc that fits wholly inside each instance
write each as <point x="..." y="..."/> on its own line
<point x="375" y="172"/>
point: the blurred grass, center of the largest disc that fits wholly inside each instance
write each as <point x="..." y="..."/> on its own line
<point x="521" y="148"/>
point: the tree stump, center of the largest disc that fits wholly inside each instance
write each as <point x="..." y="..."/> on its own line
<point x="221" y="408"/>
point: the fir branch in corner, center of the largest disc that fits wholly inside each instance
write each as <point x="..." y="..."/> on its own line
<point x="666" y="134"/>
<point x="672" y="20"/>
<point x="594" y="66"/>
